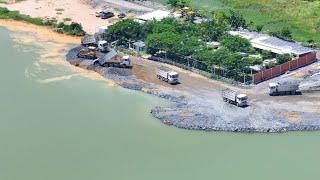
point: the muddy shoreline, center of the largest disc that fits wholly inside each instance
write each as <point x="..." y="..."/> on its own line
<point x="196" y="113"/>
<point x="197" y="107"/>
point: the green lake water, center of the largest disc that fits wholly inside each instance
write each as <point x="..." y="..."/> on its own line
<point x="81" y="129"/>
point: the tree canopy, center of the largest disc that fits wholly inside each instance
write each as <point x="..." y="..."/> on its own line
<point x="185" y="41"/>
<point x="125" y="29"/>
<point x="236" y="43"/>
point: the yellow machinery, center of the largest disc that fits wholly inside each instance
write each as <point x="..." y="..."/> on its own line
<point x="88" y="53"/>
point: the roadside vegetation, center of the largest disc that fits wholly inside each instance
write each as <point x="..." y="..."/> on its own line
<point x="71" y="28"/>
<point x="194" y="45"/>
<point x="187" y="43"/>
<point x="300" y="17"/>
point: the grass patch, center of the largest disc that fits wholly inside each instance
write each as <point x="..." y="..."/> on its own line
<point x="15" y="15"/>
<point x="300" y="16"/>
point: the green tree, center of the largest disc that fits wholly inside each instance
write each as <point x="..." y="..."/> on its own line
<point x="166" y="41"/>
<point x="266" y="54"/>
<point x="236" y="43"/>
<point x="179" y="3"/>
<point x="75" y="29"/>
<point x="125" y="29"/>
<point x="212" y="30"/>
<point x="259" y="28"/>
<point x="235" y="19"/>
<point x="286" y="33"/>
<point x="188" y="45"/>
<point x="219" y="56"/>
<point x="283" y="58"/>
<point x="205" y="56"/>
<point x="252" y="60"/>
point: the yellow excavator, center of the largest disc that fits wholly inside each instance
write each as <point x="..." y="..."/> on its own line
<point x="187" y="13"/>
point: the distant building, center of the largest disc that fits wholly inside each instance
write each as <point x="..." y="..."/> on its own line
<point x="154" y="15"/>
<point x="102" y="29"/>
<point x="273" y="44"/>
<point x="139" y="46"/>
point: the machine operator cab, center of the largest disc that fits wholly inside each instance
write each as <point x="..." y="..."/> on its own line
<point x="173" y="77"/>
<point x="242" y="100"/>
<point x="273" y="88"/>
<point x="103" y="46"/>
<point x="125" y="62"/>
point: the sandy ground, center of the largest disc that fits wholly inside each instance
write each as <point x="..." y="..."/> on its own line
<point x="80" y="11"/>
<point x="122" y="4"/>
<point x="77" y="10"/>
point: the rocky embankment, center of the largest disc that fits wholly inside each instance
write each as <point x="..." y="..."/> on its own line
<point x="207" y="112"/>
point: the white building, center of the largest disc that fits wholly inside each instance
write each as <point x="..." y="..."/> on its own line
<point x="154" y="15"/>
<point x="102" y="29"/>
<point x="273" y="44"/>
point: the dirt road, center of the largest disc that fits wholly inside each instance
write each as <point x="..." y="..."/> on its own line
<point x="208" y="91"/>
<point x="199" y="104"/>
<point x="190" y="82"/>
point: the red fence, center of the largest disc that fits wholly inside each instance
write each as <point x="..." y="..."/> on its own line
<point x="282" y="68"/>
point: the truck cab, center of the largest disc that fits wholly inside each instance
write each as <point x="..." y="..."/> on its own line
<point x="173" y="77"/>
<point x="273" y="88"/>
<point x="242" y="100"/>
<point x="125" y="62"/>
<point x="103" y="46"/>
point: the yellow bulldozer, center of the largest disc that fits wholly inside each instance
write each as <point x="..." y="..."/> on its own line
<point x="88" y="53"/>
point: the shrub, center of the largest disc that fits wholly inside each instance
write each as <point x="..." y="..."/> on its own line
<point x="266" y="54"/>
<point x="270" y="65"/>
<point x="283" y="58"/>
<point x="284" y="33"/>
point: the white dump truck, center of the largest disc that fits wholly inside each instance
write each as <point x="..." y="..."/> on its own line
<point x="283" y="88"/>
<point x="103" y="46"/>
<point x="120" y="62"/>
<point x="233" y="97"/>
<point x="167" y="75"/>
